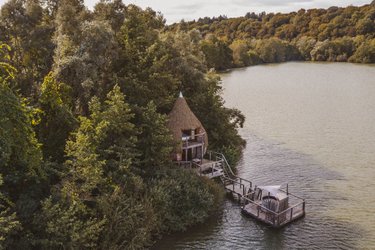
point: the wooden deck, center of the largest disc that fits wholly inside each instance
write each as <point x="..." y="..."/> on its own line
<point x="208" y="168"/>
<point x="244" y="191"/>
<point x="276" y="220"/>
<point x="217" y="166"/>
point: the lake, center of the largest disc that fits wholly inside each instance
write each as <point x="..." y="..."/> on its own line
<point x="311" y="125"/>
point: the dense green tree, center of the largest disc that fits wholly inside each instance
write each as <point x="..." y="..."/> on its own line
<point x="116" y="143"/>
<point x="102" y="147"/>
<point x="57" y="121"/>
<point x="88" y="68"/>
<point x="253" y="57"/>
<point x="20" y="152"/>
<point x="8" y="220"/>
<point x="305" y="45"/>
<point x="70" y="58"/>
<point x="69" y="17"/>
<point x="20" y="160"/>
<point x="240" y="50"/>
<point x="131" y="220"/>
<point x="113" y="12"/>
<point x="98" y="155"/>
<point x="155" y="141"/>
<point x="155" y="79"/>
<point x="338" y="50"/>
<point x="365" y="26"/>
<point x="276" y="50"/>
<point x="365" y="53"/>
<point x="194" y="201"/>
<point x="68" y="225"/>
<point x="28" y="30"/>
<point x="9" y="225"/>
<point x="218" y="54"/>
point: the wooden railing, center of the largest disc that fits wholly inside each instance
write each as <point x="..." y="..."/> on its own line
<point x="278" y="219"/>
<point x="281" y="218"/>
<point x="215" y="156"/>
<point x="192" y="139"/>
<point x="214" y="169"/>
<point x="290" y="213"/>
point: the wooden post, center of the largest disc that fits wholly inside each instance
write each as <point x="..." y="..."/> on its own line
<point x="277" y="220"/>
<point x="202" y="153"/>
<point x="287" y="189"/>
<point x="303" y="206"/>
<point x="291" y="214"/>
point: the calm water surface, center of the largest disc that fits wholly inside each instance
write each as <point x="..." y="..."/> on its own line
<point x="310" y="125"/>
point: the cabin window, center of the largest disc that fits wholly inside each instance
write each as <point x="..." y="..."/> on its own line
<point x="186" y="135"/>
<point x="189" y="135"/>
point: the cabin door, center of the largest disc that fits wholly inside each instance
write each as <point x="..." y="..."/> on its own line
<point x="187" y="155"/>
<point x="198" y="153"/>
<point x="190" y="154"/>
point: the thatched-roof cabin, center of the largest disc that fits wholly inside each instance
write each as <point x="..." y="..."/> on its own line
<point x="187" y="131"/>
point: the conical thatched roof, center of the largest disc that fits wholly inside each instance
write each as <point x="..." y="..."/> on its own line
<point x="182" y="118"/>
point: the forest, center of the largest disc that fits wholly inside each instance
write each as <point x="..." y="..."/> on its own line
<point x="84" y="148"/>
<point x="335" y="35"/>
<point x="84" y="96"/>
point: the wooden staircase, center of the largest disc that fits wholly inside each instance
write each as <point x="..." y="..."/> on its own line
<point x="236" y="185"/>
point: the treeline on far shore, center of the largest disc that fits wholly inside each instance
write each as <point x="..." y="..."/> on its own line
<point x="334" y="35"/>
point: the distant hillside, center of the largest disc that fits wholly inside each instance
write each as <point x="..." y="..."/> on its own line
<point x="333" y="34"/>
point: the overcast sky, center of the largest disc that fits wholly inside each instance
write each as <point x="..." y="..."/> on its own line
<point x="174" y="10"/>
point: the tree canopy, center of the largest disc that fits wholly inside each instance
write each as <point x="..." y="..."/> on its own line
<point x="333" y="34"/>
<point x="84" y="148"/>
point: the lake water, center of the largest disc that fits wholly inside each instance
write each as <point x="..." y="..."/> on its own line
<point x="311" y="125"/>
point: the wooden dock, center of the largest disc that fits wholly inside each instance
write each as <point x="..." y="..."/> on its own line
<point x="246" y="193"/>
<point x="271" y="218"/>
<point x="216" y="166"/>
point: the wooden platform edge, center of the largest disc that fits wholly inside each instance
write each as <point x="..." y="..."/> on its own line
<point x="246" y="213"/>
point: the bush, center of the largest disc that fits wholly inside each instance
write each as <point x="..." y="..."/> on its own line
<point x="183" y="199"/>
<point x="365" y="53"/>
<point x="254" y="58"/>
<point x="275" y="50"/>
<point x="338" y="50"/>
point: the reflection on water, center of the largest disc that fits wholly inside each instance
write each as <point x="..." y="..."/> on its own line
<point x="312" y="126"/>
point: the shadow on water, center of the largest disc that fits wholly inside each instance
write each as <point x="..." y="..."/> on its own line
<point x="266" y="162"/>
